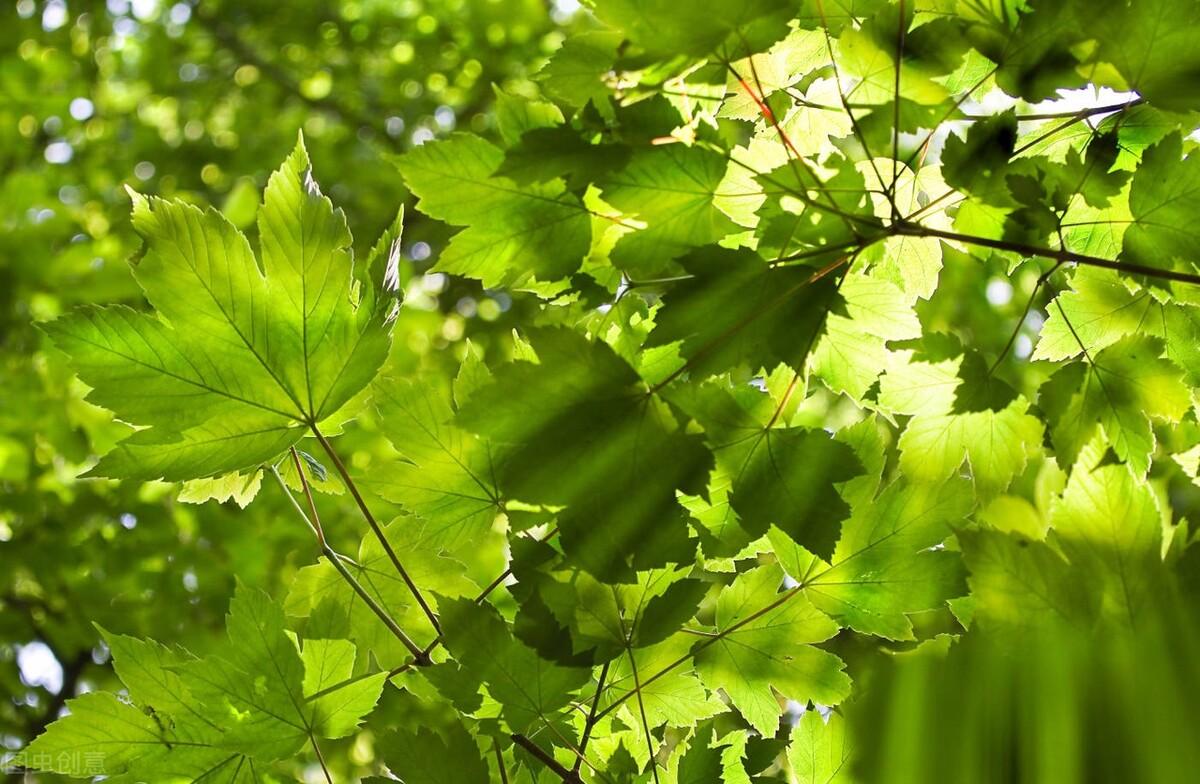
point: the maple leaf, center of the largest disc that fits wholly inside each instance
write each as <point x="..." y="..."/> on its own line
<point x="240" y="357"/>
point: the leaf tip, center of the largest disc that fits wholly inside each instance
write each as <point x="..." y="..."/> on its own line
<point x="139" y="200"/>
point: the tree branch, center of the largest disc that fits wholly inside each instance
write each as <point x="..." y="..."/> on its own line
<point x="916" y="230"/>
<point x="554" y="765"/>
<point x="1078" y="114"/>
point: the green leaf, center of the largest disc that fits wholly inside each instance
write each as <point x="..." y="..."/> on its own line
<point x="666" y="612"/>
<point x="428" y="567"/>
<point x="309" y="267"/>
<point x="447" y="480"/>
<point x="788" y="477"/>
<point x="995" y="445"/>
<point x="676" y="698"/>
<point x="237" y="360"/>
<point x="427" y="757"/>
<point x="919" y="386"/>
<point x="612" y="618"/>
<point x="517" y="115"/>
<point x="979" y="388"/>
<point x="771" y="652"/>
<point x="1102" y="309"/>
<point x="1164" y="200"/>
<point x="670" y="189"/>
<point x="978" y="163"/>
<point x="528" y="688"/>
<point x="795" y="221"/>
<point x="701" y="763"/>
<point x="720" y="531"/>
<point x="580" y="433"/>
<point x="256" y="682"/>
<point x="338" y="700"/>
<point x="545" y="154"/>
<point x="911" y="263"/>
<point x="1035" y="50"/>
<point x="1092" y="174"/>
<point x="574" y="73"/>
<point x="1121" y="389"/>
<point x="768" y="72"/>
<point x="240" y="488"/>
<point x="148" y="671"/>
<point x="1097" y="312"/>
<point x="201" y="451"/>
<point x="733" y="758"/>
<point x="1151" y="44"/>
<point x="513" y="233"/>
<point x="1019" y="584"/>
<point x="736" y="312"/>
<point x="255" y="699"/>
<point x="1110" y="526"/>
<point x="819" y="751"/>
<point x="885" y="565"/>
<point x="104" y="736"/>
<point x="852" y="352"/>
<point x="871" y="61"/>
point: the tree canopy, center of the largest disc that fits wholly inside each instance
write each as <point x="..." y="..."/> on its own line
<point x="753" y="390"/>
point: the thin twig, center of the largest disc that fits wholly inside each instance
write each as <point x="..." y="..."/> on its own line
<point x="333" y="558"/>
<point x="370" y="518"/>
<point x="783" y="599"/>
<point x="493" y="585"/>
<point x="1045" y="276"/>
<point x="791" y="153"/>
<point x="315" y="521"/>
<point x="320" y="758"/>
<point x="637" y="687"/>
<point x="591" y="719"/>
<point x="837" y="82"/>
<point x="900" y="31"/>
<point x="1075" y="115"/>
<point x="1071" y="119"/>
<point x="801" y="196"/>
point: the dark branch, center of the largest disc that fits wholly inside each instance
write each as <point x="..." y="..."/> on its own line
<point x="554" y="765"/>
<point x="915" y="230"/>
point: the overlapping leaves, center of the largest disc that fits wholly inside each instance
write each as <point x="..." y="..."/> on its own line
<point x="224" y="717"/>
<point x="770" y="406"/>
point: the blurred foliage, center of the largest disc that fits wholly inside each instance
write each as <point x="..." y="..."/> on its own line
<point x="1050" y="706"/>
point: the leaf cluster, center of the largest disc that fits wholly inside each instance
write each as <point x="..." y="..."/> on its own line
<point x="763" y="425"/>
